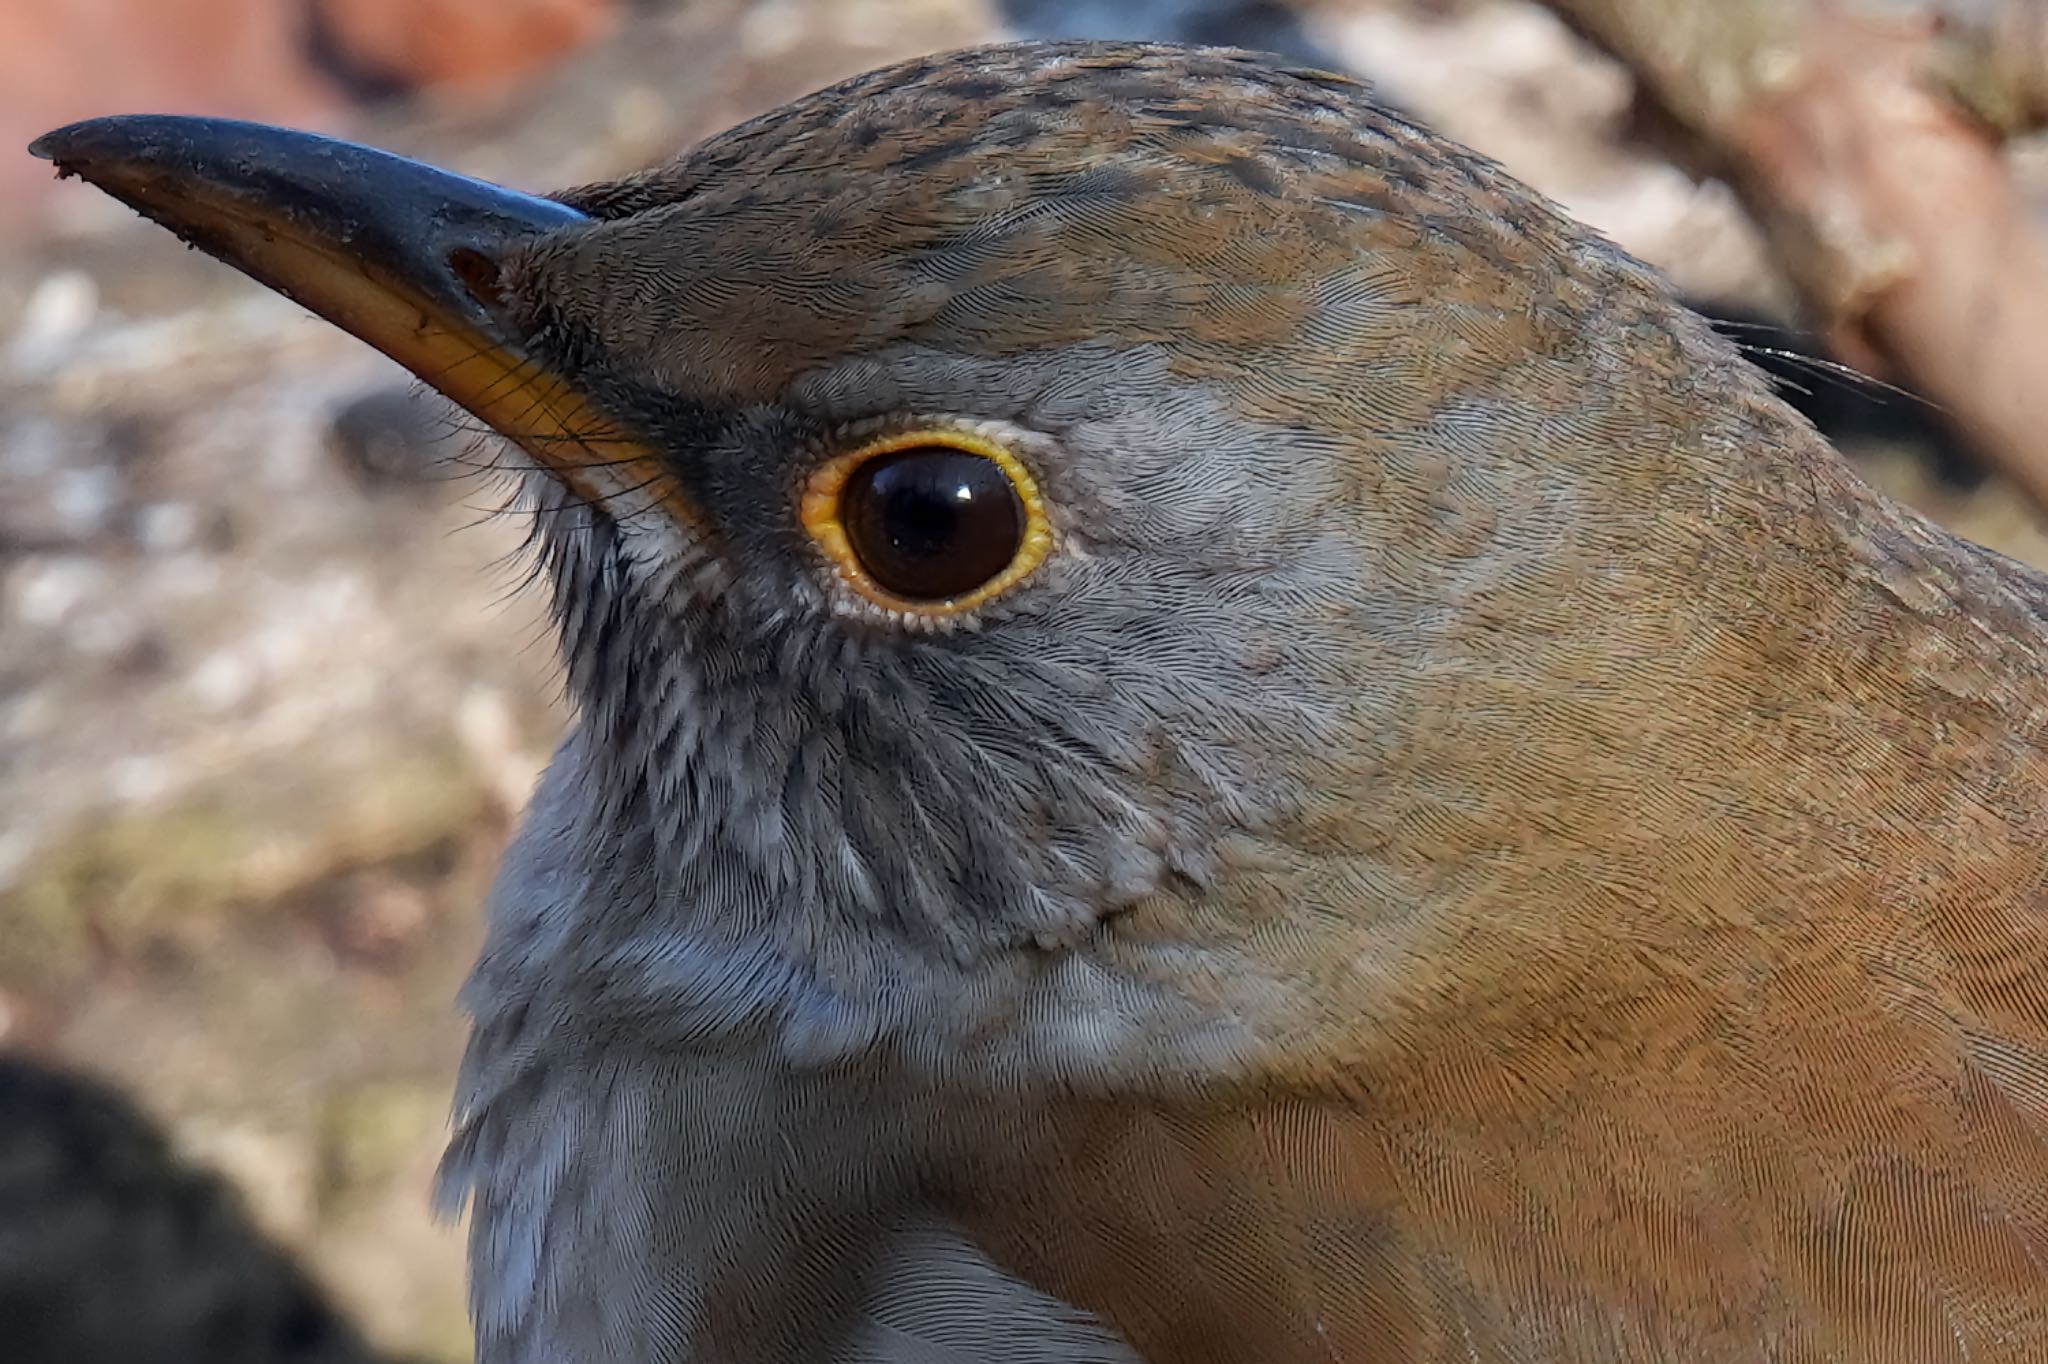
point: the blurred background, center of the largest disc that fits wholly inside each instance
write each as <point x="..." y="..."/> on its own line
<point x="271" y="693"/>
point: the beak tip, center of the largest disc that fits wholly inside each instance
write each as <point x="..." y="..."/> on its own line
<point x="76" y="147"/>
<point x="62" y="145"/>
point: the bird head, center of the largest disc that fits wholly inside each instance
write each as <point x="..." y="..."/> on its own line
<point x="1050" y="504"/>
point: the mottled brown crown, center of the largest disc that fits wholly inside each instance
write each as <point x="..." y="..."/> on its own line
<point x="1279" y="229"/>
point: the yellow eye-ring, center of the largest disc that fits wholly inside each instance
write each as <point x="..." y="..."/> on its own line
<point x="931" y="521"/>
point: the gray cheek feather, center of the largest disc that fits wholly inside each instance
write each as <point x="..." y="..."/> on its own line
<point x="794" y="876"/>
<point x="843" y="827"/>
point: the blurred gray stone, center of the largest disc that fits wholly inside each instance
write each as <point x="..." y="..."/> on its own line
<point x="1262" y="25"/>
<point x="114" y="1251"/>
<point x="395" y="437"/>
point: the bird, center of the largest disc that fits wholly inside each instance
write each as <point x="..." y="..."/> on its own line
<point x="1205" y="734"/>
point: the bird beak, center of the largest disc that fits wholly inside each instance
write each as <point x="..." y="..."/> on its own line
<point x="401" y="254"/>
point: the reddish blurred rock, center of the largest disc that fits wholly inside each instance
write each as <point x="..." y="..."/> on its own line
<point x="460" y="44"/>
<point x="71" y="60"/>
<point x="256" y="59"/>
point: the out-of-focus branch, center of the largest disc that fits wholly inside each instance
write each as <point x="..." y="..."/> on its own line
<point x="1865" y="136"/>
<point x="1993" y="56"/>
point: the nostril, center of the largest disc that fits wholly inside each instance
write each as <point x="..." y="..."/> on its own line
<point x="479" y="274"/>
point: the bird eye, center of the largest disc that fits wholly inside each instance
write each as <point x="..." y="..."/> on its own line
<point x="931" y="522"/>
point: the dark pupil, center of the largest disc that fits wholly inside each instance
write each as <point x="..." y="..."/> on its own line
<point x="932" y="523"/>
